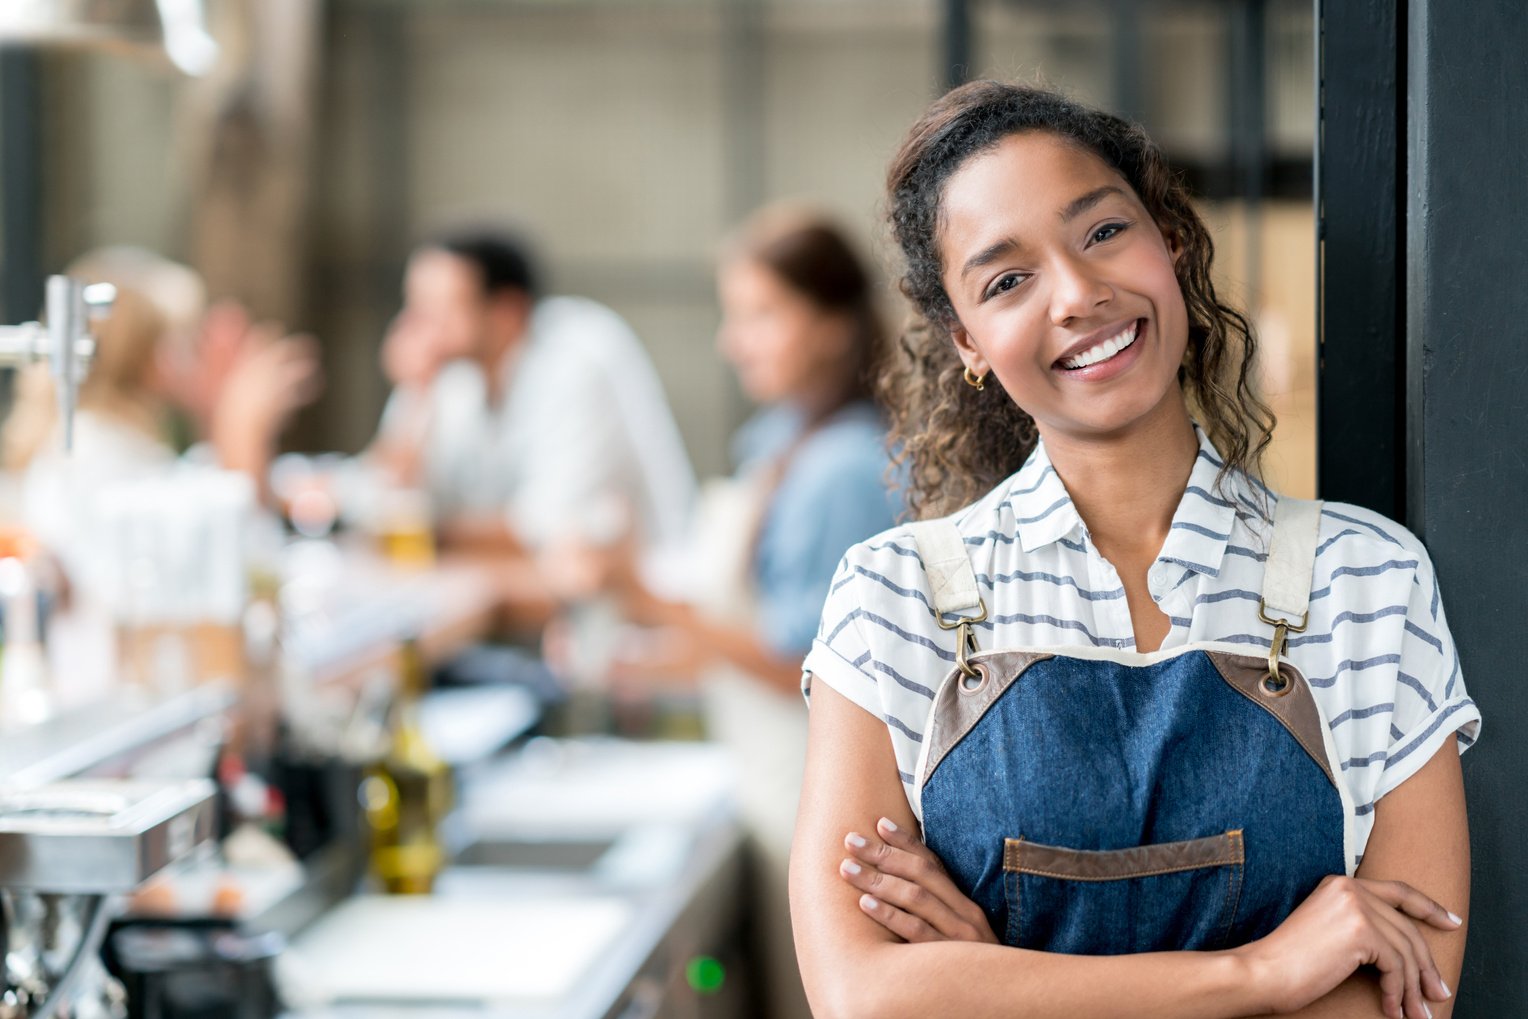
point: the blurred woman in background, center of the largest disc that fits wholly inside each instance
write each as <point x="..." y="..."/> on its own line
<point x="167" y="372"/>
<point x="801" y="328"/>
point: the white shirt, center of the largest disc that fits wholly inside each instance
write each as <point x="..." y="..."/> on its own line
<point x="582" y="443"/>
<point x="1377" y="651"/>
<point x="62" y="490"/>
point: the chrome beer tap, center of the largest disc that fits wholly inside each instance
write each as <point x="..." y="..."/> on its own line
<point x="65" y="341"/>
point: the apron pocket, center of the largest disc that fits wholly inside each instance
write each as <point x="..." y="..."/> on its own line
<point x="1165" y="897"/>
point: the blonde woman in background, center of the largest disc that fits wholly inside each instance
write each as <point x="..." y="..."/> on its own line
<point x="161" y="352"/>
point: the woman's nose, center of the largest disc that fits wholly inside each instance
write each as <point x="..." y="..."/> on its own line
<point x="1076" y="290"/>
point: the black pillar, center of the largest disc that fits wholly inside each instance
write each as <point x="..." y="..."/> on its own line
<point x="1359" y="234"/>
<point x="957" y="42"/>
<point x="21" y="250"/>
<point x="1467" y="428"/>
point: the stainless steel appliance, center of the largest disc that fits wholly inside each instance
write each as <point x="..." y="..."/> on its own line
<point x="67" y="851"/>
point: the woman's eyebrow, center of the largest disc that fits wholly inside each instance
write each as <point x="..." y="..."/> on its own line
<point x="986" y="256"/>
<point x="1077" y="206"/>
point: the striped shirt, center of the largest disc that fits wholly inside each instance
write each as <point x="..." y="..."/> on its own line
<point x="1376" y="652"/>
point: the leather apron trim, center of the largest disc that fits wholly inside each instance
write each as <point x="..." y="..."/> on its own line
<point x="961" y="702"/>
<point x="1021" y="857"/>
<point x="1296" y="711"/>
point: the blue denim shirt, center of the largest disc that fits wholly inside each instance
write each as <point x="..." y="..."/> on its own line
<point x="834" y="493"/>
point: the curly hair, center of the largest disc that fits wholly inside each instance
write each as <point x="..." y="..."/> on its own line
<point x="957" y="442"/>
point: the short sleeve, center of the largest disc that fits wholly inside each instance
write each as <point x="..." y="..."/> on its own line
<point x="831" y="499"/>
<point x="840" y="652"/>
<point x="1431" y="704"/>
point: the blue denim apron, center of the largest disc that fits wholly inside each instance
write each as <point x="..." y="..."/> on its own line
<point x="1103" y="802"/>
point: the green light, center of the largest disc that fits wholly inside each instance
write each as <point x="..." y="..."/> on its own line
<point x="705" y="975"/>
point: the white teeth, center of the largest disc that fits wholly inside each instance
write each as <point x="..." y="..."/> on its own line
<point x="1103" y="351"/>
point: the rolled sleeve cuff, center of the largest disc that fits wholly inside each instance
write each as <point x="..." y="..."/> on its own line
<point x="1416" y="748"/>
<point x="842" y="675"/>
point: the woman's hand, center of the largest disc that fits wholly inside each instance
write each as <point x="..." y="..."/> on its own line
<point x="907" y="889"/>
<point x="1347" y="923"/>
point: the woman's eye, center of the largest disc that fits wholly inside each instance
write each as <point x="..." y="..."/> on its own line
<point x="1004" y="283"/>
<point x="1107" y="231"/>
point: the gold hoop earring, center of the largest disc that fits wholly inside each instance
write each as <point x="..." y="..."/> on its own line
<point x="975" y="381"/>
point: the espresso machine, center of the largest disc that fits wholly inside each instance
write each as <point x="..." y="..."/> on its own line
<point x="70" y="848"/>
<point x="68" y="851"/>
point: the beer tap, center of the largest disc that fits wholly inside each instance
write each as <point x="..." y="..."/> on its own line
<point x="65" y="341"/>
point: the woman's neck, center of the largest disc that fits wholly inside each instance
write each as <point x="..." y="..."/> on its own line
<point x="1127" y="487"/>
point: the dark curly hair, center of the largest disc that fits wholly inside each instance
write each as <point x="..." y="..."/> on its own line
<point x="957" y="442"/>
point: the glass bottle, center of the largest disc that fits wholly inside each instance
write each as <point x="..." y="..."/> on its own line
<point x="407" y="793"/>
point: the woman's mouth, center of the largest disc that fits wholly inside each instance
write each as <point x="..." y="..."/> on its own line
<point x="1106" y="350"/>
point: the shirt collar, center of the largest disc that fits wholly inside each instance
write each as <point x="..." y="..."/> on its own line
<point x="1042" y="508"/>
<point x="1201" y="527"/>
<point x="1202" y="523"/>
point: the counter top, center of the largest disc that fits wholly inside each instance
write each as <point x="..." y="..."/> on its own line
<point x="101" y="734"/>
<point x="597" y="919"/>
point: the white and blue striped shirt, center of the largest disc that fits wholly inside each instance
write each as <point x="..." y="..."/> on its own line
<point x="1377" y="650"/>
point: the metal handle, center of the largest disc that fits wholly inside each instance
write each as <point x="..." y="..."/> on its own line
<point x="65" y="342"/>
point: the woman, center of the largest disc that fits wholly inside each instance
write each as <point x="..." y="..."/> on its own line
<point x="801" y="329"/>
<point x="161" y="354"/>
<point x="1175" y="746"/>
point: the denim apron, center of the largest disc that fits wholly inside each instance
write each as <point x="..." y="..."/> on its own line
<point x="1101" y="802"/>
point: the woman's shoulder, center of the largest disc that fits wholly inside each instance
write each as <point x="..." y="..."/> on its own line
<point x="894" y="551"/>
<point x="1354" y="540"/>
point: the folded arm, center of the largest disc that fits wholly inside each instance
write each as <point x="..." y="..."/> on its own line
<point x="852" y="965"/>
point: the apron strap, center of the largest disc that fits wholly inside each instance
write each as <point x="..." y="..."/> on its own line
<point x="1285" y="604"/>
<point x="953" y="583"/>
<point x="1291" y="559"/>
<point x="950" y="576"/>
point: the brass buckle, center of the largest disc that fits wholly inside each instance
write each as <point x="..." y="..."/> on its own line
<point x="965" y="638"/>
<point x="1275" y="683"/>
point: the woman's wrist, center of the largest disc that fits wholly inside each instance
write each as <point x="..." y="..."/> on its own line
<point x="1250" y="982"/>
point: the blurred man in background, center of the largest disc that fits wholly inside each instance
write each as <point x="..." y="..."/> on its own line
<point x="533" y="422"/>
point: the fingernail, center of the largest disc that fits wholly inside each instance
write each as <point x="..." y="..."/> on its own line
<point x="850" y="866"/>
<point x="888" y="824"/>
<point x="868" y="901"/>
<point x="1446" y="992"/>
<point x="1454" y="918"/>
<point x="857" y="840"/>
<point x="1427" y="1010"/>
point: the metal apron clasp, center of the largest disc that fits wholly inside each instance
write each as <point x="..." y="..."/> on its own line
<point x="965" y="637"/>
<point x="1275" y="683"/>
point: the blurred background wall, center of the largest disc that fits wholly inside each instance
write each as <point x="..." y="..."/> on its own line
<point x="626" y="138"/>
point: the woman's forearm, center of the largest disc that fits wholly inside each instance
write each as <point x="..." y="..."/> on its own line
<point x="1357" y="997"/>
<point x="967" y="979"/>
<point x="720" y="641"/>
<point x="974" y="980"/>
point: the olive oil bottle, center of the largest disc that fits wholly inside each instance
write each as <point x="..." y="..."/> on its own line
<point x="407" y="794"/>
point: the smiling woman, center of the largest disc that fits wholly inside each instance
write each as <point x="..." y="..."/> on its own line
<point x="1108" y="185"/>
<point x="1113" y="725"/>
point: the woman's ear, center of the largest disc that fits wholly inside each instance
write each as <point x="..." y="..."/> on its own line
<point x="972" y="357"/>
<point x="1174" y="243"/>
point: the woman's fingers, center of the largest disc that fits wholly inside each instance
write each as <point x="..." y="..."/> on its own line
<point x="1421" y="979"/>
<point x="915" y="881"/>
<point x="1391" y="963"/>
<point x="906" y="895"/>
<point x="1400" y="895"/>
<point x="904" y="925"/>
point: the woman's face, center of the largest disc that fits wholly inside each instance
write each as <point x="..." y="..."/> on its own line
<point x="1063" y="286"/>
<point x="781" y="344"/>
